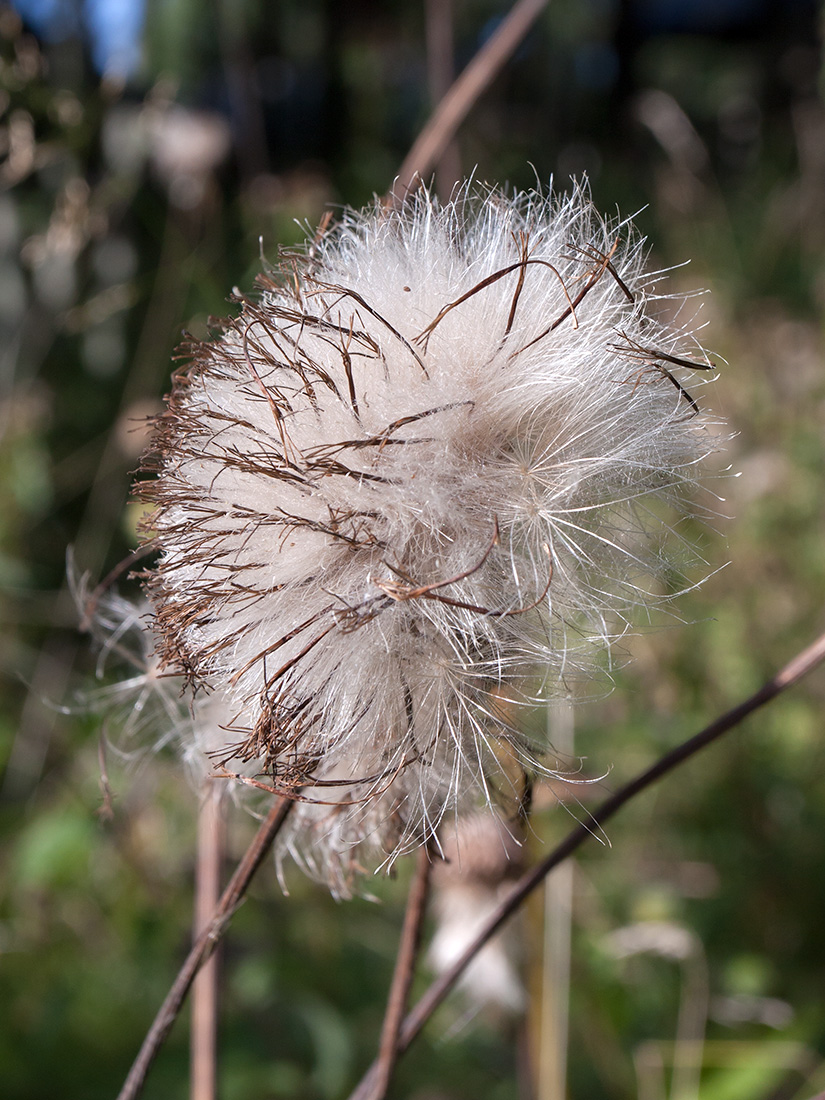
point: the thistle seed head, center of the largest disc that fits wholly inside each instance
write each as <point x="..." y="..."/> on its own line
<point x="403" y="489"/>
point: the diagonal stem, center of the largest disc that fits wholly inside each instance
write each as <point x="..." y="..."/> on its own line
<point x="204" y="1025"/>
<point x="803" y="663"/>
<point x="438" y="18"/>
<point x="376" y="1088"/>
<point x="442" y="125"/>
<point x="205" y="944"/>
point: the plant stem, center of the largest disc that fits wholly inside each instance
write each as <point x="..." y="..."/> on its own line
<point x="376" y="1087"/>
<point x="204" y="1026"/>
<point x="438" y="16"/>
<point x="203" y="947"/>
<point x="445" y="120"/>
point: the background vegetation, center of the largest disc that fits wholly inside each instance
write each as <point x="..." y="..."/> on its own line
<point x="133" y="196"/>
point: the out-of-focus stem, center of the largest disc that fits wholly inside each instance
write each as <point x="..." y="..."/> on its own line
<point x="465" y="90"/>
<point x="204" y="1026"/>
<point x="550" y="1057"/>
<point x="440" y="73"/>
<point x="376" y="1087"/>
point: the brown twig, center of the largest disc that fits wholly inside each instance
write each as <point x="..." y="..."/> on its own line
<point x="203" y="948"/>
<point x="438" y="17"/>
<point x="445" y="120"/>
<point x="792" y="672"/>
<point x="204" y="1026"/>
<point x="376" y="1088"/>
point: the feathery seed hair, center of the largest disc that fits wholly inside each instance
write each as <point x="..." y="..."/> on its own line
<point x="411" y="472"/>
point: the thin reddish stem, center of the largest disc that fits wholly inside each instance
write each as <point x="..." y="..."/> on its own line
<point x="203" y="948"/>
<point x="438" y="15"/>
<point x="465" y="90"/>
<point x="376" y="1088"/>
<point x="204" y="1027"/>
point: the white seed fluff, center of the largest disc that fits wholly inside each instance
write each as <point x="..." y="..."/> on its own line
<point x="406" y="483"/>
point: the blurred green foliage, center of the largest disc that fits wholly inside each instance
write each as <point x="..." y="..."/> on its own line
<point x="127" y="213"/>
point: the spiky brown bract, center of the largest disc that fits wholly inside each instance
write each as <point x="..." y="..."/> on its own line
<point x="409" y="474"/>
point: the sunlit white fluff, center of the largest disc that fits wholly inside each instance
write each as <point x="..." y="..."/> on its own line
<point x="409" y="480"/>
<point x="145" y="709"/>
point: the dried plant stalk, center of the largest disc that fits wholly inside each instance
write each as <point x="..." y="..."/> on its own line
<point x="204" y="1026"/>
<point x="463" y="94"/>
<point x="203" y="948"/>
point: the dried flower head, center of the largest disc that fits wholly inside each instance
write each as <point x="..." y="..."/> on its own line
<point x="412" y="472"/>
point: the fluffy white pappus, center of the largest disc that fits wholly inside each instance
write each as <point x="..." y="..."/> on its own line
<point x="411" y="479"/>
<point x="146" y="709"/>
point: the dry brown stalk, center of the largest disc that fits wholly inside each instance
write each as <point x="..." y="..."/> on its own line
<point x="203" y="948"/>
<point x="440" y="75"/>
<point x="204" y="1026"/>
<point x="376" y="1089"/>
<point x="445" y="120"/>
